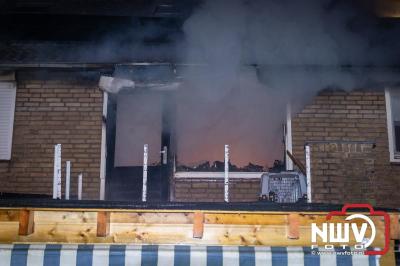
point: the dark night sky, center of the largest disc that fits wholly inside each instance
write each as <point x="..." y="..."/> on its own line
<point x="108" y="31"/>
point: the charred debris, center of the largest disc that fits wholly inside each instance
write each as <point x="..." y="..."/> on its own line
<point x="218" y="166"/>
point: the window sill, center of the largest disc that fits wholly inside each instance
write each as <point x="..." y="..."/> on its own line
<point x="395" y="160"/>
<point x="218" y="175"/>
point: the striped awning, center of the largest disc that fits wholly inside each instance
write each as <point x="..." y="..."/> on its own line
<point x="170" y="255"/>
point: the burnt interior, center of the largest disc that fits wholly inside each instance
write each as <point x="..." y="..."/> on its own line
<point x="126" y="176"/>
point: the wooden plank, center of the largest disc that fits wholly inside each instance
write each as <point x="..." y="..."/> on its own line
<point x="239" y="228"/>
<point x="69" y="217"/>
<point x="389" y="258"/>
<point x="253" y="219"/>
<point x="65" y="217"/>
<point x="9" y="216"/>
<point x="152" y="218"/>
<point x="293" y="231"/>
<point x="26" y="222"/>
<point x="103" y="224"/>
<point x="174" y="234"/>
<point x="305" y="219"/>
<point x="198" y="225"/>
<point x="394" y="226"/>
<point x="9" y="232"/>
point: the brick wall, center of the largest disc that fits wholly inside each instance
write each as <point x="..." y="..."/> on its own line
<point x="344" y="169"/>
<point x="69" y="112"/>
<point x="50" y="112"/>
<point x="212" y="190"/>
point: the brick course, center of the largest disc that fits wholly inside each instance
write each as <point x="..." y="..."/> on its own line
<point x="212" y="190"/>
<point x="69" y="112"/>
<point x="49" y="112"/>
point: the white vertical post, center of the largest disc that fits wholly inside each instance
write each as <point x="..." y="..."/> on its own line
<point x="165" y="155"/>
<point x="80" y="186"/>
<point x="389" y="123"/>
<point x="226" y="174"/>
<point x="67" y="179"/>
<point x="288" y="137"/>
<point x="145" y="159"/>
<point x="57" y="172"/>
<point x="103" y="148"/>
<point x="308" y="172"/>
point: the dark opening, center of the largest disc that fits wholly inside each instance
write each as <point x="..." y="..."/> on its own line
<point x="397" y="135"/>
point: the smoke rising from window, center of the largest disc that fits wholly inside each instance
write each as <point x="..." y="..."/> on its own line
<point x="291" y="50"/>
<point x="256" y="56"/>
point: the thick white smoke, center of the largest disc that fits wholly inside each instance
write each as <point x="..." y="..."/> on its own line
<point x="298" y="48"/>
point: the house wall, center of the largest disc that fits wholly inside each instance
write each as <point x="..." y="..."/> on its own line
<point x="49" y="112"/>
<point x="346" y="168"/>
<point x="347" y="131"/>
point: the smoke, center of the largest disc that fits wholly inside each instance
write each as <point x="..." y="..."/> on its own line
<point x="241" y="115"/>
<point x="250" y="58"/>
<point x="314" y="32"/>
<point x="292" y="50"/>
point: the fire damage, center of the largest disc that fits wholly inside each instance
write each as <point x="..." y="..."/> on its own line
<point x="218" y="166"/>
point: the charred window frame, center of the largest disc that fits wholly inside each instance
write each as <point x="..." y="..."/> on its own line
<point x="392" y="99"/>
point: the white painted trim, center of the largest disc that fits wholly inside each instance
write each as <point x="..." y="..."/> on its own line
<point x="218" y="175"/>
<point x="226" y="174"/>
<point x="13" y="87"/>
<point x="80" y="184"/>
<point x="57" y="172"/>
<point x="308" y="170"/>
<point x="390" y="130"/>
<point x="67" y="179"/>
<point x="145" y="161"/>
<point x="103" y="149"/>
<point x="288" y="137"/>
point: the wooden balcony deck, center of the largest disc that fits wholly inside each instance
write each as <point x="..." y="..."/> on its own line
<point x="38" y="221"/>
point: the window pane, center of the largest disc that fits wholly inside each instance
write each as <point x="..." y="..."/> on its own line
<point x="397" y="135"/>
<point x="395" y="102"/>
<point x="7" y="106"/>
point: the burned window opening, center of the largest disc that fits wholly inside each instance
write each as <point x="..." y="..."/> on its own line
<point x="125" y="176"/>
<point x="392" y="98"/>
<point x="218" y="166"/>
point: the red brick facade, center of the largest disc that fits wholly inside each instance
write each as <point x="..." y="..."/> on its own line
<point x="49" y="112"/>
<point x="343" y="168"/>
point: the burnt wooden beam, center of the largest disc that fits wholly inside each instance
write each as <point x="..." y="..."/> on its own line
<point x="293" y="230"/>
<point x="198" y="225"/>
<point x="103" y="223"/>
<point x="26" y="222"/>
<point x="297" y="162"/>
